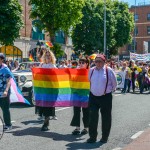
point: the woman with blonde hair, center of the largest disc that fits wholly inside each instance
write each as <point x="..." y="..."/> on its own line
<point x="48" y="61"/>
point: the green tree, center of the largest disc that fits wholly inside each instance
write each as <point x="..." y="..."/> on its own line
<point x="57" y="50"/>
<point x="56" y="14"/>
<point x="89" y="34"/>
<point x="124" y="26"/>
<point x="10" y="21"/>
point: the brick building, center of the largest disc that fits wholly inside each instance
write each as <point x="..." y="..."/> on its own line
<point x="141" y="36"/>
<point x="31" y="36"/>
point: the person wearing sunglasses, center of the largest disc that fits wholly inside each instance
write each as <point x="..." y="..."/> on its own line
<point x="102" y="84"/>
<point x="83" y="64"/>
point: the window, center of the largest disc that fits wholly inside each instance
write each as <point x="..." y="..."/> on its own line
<point x="136" y="17"/>
<point x="135" y="31"/>
<point x="148" y="46"/>
<point x="37" y="34"/>
<point x="148" y="30"/>
<point x="131" y="46"/>
<point x="148" y="16"/>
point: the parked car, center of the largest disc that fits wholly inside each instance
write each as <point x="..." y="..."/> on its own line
<point x="23" y="77"/>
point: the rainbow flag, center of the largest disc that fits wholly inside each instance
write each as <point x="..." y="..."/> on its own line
<point x="61" y="87"/>
<point x="31" y="57"/>
<point x="49" y="44"/>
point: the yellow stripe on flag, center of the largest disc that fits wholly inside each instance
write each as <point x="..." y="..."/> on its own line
<point x="61" y="84"/>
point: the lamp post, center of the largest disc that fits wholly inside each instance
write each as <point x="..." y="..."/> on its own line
<point x="104" y="26"/>
<point x="134" y="26"/>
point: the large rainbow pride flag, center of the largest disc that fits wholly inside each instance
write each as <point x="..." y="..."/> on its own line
<point x="61" y="87"/>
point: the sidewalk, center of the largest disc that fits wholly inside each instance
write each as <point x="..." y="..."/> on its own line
<point x="141" y="143"/>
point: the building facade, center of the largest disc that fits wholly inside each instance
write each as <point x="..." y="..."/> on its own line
<point x="30" y="36"/>
<point x="141" y="35"/>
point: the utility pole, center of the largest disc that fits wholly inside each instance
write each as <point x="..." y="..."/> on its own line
<point x="135" y="26"/>
<point x="105" y="27"/>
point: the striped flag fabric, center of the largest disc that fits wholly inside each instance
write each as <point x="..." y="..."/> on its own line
<point x="31" y="57"/>
<point x="61" y="87"/>
<point x="15" y="95"/>
<point x="49" y="44"/>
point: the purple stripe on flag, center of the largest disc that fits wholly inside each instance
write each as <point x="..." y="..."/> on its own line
<point x="61" y="104"/>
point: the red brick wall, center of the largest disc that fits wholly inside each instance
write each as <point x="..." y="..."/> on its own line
<point x="27" y="29"/>
<point x="141" y="24"/>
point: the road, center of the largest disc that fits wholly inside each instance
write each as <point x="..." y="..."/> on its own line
<point x="130" y="114"/>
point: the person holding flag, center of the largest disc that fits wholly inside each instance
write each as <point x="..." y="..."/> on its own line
<point x="5" y="83"/>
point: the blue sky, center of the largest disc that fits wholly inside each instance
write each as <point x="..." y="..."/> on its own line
<point x="132" y="2"/>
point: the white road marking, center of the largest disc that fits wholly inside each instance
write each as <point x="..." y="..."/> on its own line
<point x="118" y="148"/>
<point x="62" y="109"/>
<point x="13" y="121"/>
<point x="1" y="123"/>
<point x="137" y="134"/>
<point x="118" y="95"/>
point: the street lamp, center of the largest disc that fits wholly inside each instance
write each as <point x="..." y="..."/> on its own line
<point x="134" y="26"/>
<point x="104" y="26"/>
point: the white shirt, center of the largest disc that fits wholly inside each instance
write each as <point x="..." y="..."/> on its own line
<point x="98" y="81"/>
<point x="48" y="65"/>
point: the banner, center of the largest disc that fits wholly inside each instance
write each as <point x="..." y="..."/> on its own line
<point x="120" y="76"/>
<point x="61" y="87"/>
<point x="140" y="57"/>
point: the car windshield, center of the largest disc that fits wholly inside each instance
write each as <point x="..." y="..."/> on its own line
<point x="27" y="66"/>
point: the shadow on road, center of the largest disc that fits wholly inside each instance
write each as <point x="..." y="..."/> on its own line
<point x="75" y="145"/>
<point x="35" y="131"/>
<point x="32" y="122"/>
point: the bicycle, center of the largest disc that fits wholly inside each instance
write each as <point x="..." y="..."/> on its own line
<point x="1" y="128"/>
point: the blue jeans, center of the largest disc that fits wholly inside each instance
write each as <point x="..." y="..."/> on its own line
<point x="126" y="82"/>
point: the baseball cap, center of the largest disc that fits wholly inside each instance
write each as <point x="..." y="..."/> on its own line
<point x="103" y="57"/>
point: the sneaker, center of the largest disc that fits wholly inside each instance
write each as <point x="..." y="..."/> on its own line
<point x="76" y="132"/>
<point x="54" y="118"/>
<point x="103" y="140"/>
<point x="7" y="128"/>
<point x="84" y="131"/>
<point x="40" y="118"/>
<point x="90" y="140"/>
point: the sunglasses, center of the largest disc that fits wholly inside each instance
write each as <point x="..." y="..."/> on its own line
<point x="98" y="61"/>
<point x="82" y="63"/>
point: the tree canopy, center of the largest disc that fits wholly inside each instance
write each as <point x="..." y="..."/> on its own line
<point x="56" y="14"/>
<point x="10" y="21"/>
<point x="89" y="34"/>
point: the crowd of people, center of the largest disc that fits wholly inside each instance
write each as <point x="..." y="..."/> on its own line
<point x="137" y="77"/>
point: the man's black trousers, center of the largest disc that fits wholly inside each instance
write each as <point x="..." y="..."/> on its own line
<point x="104" y="104"/>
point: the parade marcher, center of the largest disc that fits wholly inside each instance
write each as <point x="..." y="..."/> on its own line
<point x="62" y="64"/>
<point x="83" y="64"/>
<point x="5" y="84"/>
<point x="8" y="64"/>
<point x="125" y="69"/>
<point x="49" y="61"/>
<point x="102" y="84"/>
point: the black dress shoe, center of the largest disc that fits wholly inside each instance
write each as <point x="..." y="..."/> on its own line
<point x="84" y="131"/>
<point x="90" y="140"/>
<point x="44" y="128"/>
<point x="103" y="140"/>
<point x="76" y="132"/>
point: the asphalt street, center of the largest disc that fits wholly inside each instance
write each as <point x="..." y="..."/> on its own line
<point x="130" y="116"/>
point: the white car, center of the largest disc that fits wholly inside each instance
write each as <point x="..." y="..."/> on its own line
<point x="23" y="77"/>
